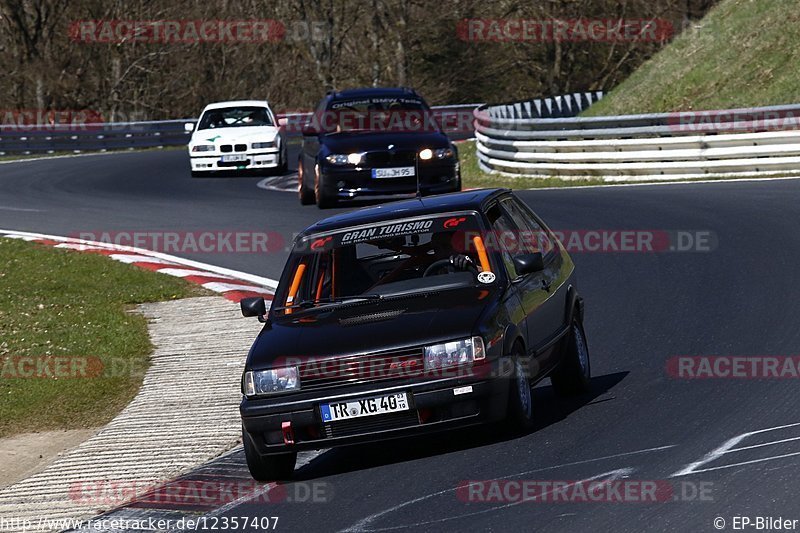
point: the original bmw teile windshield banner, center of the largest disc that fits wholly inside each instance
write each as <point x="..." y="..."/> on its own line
<point x="455" y="223"/>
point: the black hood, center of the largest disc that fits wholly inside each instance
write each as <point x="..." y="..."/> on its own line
<point x="369" y="141"/>
<point x="371" y="326"/>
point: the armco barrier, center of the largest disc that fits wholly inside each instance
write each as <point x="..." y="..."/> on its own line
<point x="511" y="139"/>
<point x="36" y="139"/>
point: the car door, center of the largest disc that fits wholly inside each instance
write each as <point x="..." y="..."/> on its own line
<point x="528" y="288"/>
<point x="548" y="288"/>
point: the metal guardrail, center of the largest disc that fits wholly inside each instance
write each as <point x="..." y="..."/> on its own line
<point x="37" y="139"/>
<point x="636" y="147"/>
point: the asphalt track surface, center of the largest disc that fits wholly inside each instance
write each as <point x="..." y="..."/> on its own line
<point x="638" y="423"/>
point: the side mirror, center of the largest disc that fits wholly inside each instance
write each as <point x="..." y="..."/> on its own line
<point x="529" y="263"/>
<point x="188" y="127"/>
<point x="283" y="122"/>
<point x="253" y="307"/>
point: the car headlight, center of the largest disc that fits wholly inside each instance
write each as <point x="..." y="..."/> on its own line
<point x="271" y="381"/>
<point x="454" y="353"/>
<point x="203" y="148"/>
<point x="444" y="153"/>
<point x="345" y="159"/>
<point x="260" y="146"/>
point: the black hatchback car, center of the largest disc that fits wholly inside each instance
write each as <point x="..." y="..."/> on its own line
<point x="407" y="318"/>
<point x="374" y="143"/>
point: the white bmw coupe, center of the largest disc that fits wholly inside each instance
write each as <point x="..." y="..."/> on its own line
<point x="236" y="135"/>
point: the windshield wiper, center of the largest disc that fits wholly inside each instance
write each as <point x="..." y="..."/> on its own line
<point x="308" y="304"/>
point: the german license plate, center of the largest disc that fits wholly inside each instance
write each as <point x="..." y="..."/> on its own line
<point x="394" y="172"/>
<point x="379" y="405"/>
<point x="233" y="158"/>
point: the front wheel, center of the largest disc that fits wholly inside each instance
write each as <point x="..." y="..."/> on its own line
<point x="519" y="416"/>
<point x="267" y="467"/>
<point x="324" y="200"/>
<point x="306" y="194"/>
<point x="574" y="372"/>
<point x="283" y="163"/>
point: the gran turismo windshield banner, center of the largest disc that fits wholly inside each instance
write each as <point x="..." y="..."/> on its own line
<point x="453" y="224"/>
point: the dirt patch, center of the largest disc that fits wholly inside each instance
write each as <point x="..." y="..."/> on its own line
<point x="28" y="453"/>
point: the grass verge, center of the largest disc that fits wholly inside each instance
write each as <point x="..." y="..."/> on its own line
<point x="472" y="177"/>
<point x="64" y="319"/>
<point x="743" y="53"/>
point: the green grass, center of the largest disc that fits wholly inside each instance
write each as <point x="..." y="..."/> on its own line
<point x="744" y="53"/>
<point x="472" y="177"/>
<point x="69" y="304"/>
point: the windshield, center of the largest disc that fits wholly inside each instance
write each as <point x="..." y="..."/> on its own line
<point x="234" y="117"/>
<point x="387" y="259"/>
<point x="378" y="114"/>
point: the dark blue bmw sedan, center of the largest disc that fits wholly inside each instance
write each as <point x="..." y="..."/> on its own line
<point x="374" y="143"/>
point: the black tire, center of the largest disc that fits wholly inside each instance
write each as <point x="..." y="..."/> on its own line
<point x="574" y="373"/>
<point x="306" y="194"/>
<point x="322" y="198"/>
<point x="519" y="416"/>
<point x="283" y="164"/>
<point x="269" y="467"/>
<point x="196" y="174"/>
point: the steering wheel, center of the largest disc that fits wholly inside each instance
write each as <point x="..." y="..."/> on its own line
<point x="436" y="265"/>
<point x="446" y="264"/>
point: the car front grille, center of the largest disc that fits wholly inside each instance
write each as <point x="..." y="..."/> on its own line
<point x="227" y="148"/>
<point x="371" y="424"/>
<point x="362" y="368"/>
<point x="389" y="159"/>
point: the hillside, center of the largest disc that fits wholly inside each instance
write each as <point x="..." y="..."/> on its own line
<point x="743" y="53"/>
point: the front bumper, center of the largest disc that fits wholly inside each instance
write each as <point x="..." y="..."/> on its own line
<point x="434" y="407"/>
<point x="253" y="160"/>
<point x="436" y="177"/>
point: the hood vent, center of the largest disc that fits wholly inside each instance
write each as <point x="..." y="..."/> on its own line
<point x="372" y="317"/>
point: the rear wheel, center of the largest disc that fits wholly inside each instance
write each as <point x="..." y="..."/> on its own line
<point x="306" y="194"/>
<point x="520" y="400"/>
<point x="574" y="372"/>
<point x="267" y="467"/>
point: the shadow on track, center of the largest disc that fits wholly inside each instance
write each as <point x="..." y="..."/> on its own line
<point x="552" y="409"/>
